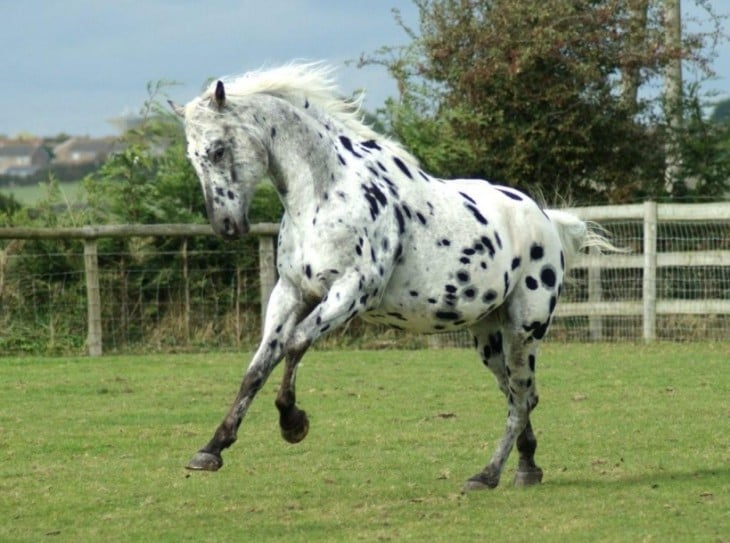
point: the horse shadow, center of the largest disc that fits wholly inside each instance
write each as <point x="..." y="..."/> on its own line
<point x="653" y="479"/>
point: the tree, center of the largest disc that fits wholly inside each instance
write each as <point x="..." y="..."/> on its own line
<point x="541" y="94"/>
<point x="8" y="206"/>
<point x="721" y="112"/>
<point x="704" y="148"/>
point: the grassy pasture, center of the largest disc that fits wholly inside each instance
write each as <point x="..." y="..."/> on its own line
<point x="634" y="441"/>
<point x="29" y="195"/>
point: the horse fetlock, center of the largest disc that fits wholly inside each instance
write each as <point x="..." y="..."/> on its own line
<point x="285" y="400"/>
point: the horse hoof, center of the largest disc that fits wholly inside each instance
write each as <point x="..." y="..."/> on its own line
<point x="528" y="477"/>
<point x="480" y="481"/>
<point x="204" y="461"/>
<point x="296" y="427"/>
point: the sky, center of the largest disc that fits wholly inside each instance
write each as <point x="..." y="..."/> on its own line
<point x="69" y="67"/>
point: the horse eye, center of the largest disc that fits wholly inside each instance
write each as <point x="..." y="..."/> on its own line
<point x="217" y="154"/>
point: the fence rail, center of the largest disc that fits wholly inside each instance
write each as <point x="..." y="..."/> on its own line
<point x="650" y="261"/>
<point x="665" y="256"/>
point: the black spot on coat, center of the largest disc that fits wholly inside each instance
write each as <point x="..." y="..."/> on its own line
<point x="463" y="276"/>
<point x="477" y="215"/>
<point x="400" y="219"/>
<point x="547" y="275"/>
<point x="536" y="252"/>
<point x="347" y="144"/>
<point x="538" y="329"/>
<point x="510" y="194"/>
<point x="402" y="167"/>
<point x="489" y="296"/>
<point x="468" y="198"/>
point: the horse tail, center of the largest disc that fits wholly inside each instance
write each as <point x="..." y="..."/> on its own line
<point x="576" y="235"/>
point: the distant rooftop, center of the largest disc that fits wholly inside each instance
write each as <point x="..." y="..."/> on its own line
<point x="125" y="123"/>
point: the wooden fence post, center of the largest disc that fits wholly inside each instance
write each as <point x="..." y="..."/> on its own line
<point x="650" y="271"/>
<point x="93" y="297"/>
<point x="267" y="270"/>
<point x="186" y="287"/>
<point x="595" y="295"/>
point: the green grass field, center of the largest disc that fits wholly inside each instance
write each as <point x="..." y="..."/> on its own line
<point x="31" y="194"/>
<point x="634" y="441"/>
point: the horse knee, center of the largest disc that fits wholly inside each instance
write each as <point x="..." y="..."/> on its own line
<point x="296" y="345"/>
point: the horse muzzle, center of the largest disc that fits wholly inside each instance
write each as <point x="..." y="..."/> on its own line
<point x="229" y="228"/>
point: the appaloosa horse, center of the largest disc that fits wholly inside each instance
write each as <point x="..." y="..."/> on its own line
<point x="367" y="233"/>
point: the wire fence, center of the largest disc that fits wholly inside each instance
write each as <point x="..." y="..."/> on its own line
<point x="673" y="283"/>
<point x="190" y="297"/>
<point x="149" y="301"/>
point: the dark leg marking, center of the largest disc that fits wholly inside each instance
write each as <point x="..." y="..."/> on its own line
<point x="293" y="421"/>
<point x="528" y="473"/>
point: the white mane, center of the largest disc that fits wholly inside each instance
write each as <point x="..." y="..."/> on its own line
<point x="296" y="82"/>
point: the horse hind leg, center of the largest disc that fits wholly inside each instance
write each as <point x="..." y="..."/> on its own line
<point x="528" y="473"/>
<point x="489" y="343"/>
<point x="516" y="378"/>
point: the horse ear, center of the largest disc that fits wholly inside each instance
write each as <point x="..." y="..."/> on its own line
<point x="220" y="95"/>
<point x="179" y="110"/>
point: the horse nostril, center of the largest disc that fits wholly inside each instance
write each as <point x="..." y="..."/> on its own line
<point x="229" y="228"/>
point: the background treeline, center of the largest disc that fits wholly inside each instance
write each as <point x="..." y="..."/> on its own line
<point x="562" y="98"/>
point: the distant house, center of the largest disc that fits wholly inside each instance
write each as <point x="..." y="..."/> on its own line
<point x="23" y="157"/>
<point x="78" y="151"/>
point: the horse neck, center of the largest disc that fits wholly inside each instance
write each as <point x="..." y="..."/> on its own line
<point x="301" y="154"/>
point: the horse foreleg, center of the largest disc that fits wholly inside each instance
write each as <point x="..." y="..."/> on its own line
<point x="209" y="457"/>
<point x="343" y="302"/>
<point x="284" y="311"/>
<point x="293" y="421"/>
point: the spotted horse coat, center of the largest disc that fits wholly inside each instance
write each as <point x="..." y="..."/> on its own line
<point x="367" y="233"/>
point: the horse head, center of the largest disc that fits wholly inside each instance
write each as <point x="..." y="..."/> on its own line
<point x="228" y="156"/>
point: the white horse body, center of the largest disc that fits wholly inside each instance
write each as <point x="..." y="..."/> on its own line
<point x="367" y="233"/>
<point x="477" y="274"/>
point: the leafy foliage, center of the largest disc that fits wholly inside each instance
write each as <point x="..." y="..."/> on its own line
<point x="705" y="151"/>
<point x="538" y="94"/>
<point x="721" y="112"/>
<point x="8" y="205"/>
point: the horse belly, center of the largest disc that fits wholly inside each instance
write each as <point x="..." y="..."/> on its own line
<point x="424" y="296"/>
